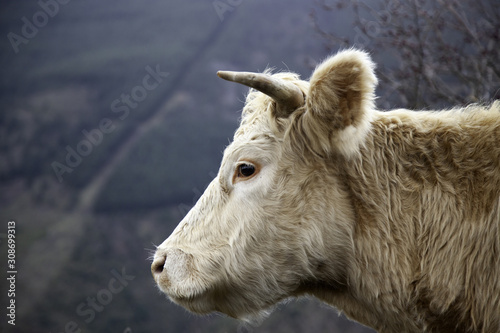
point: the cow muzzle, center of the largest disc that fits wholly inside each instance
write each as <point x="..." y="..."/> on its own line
<point x="170" y="268"/>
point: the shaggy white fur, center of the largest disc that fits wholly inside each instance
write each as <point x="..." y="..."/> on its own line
<point x="391" y="217"/>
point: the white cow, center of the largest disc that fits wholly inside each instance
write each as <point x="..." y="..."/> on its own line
<point x="391" y="217"/>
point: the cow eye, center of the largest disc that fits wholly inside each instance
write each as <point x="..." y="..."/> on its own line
<point x="245" y="170"/>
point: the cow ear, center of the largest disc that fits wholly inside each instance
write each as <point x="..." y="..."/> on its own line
<point x="340" y="102"/>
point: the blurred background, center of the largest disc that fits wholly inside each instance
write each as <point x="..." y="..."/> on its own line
<point x="113" y="122"/>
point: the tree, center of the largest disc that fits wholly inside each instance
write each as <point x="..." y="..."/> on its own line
<point x="430" y="53"/>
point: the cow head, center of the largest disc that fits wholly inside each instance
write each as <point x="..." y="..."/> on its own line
<point x="276" y="222"/>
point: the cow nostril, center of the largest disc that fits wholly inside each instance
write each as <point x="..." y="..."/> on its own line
<point x="157" y="266"/>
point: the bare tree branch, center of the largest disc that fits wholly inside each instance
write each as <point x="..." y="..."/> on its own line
<point x="432" y="53"/>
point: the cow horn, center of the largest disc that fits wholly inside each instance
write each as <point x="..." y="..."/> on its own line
<point x="286" y="94"/>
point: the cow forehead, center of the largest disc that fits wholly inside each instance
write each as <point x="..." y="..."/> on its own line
<point x="256" y="123"/>
<point x="252" y="145"/>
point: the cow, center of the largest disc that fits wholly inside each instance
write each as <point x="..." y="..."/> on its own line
<point x="391" y="217"/>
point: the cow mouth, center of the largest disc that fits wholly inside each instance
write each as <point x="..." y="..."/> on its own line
<point x="196" y="300"/>
<point x="182" y="293"/>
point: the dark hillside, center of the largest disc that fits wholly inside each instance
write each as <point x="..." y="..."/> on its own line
<point x="97" y="165"/>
